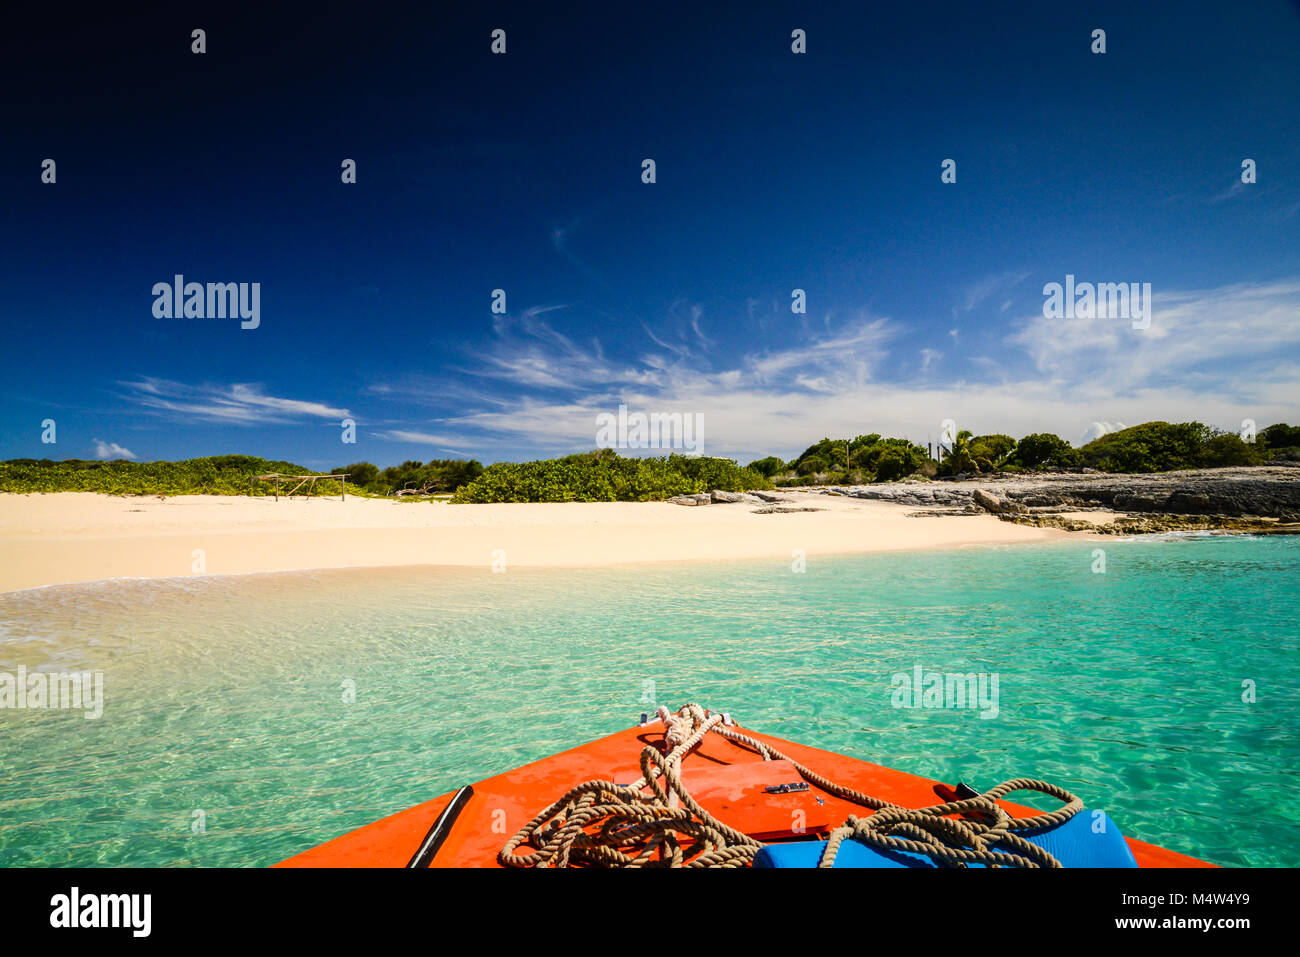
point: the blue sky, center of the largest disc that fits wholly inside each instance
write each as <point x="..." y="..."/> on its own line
<point x="522" y="172"/>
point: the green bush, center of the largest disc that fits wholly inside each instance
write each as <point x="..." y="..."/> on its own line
<point x="1279" y="436"/>
<point x="438" y="475"/>
<point x="1042" y="449"/>
<point x="212" y="475"/>
<point x="843" y="461"/>
<point x="1149" y="447"/>
<point x="993" y="449"/>
<point x="1227" y="448"/>
<point x="604" y="476"/>
<point x="1164" y="447"/>
<point x="767" y="467"/>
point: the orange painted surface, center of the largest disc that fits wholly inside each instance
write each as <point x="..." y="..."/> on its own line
<point x="501" y="805"/>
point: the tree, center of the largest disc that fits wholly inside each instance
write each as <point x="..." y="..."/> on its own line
<point x="965" y="456"/>
<point x="359" y="473"/>
<point x="893" y="464"/>
<point x="767" y="467"/>
<point x="1041" y="449"/>
<point x="1227" y="449"/>
<point x="1279" y="436"/>
<point x="1150" y="447"/>
<point x="993" y="449"/>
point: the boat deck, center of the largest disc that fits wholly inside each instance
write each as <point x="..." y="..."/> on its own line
<point x="501" y="805"/>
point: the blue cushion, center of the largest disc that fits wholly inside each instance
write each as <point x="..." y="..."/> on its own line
<point x="1075" y="843"/>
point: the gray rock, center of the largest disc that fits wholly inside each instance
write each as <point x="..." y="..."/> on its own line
<point x="699" y="499"/>
<point x="719" y="496"/>
<point x="1270" y="491"/>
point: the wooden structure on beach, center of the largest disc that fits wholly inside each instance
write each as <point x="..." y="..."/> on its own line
<point x="302" y="480"/>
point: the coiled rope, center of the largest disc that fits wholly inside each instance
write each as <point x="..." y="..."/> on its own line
<point x="603" y="824"/>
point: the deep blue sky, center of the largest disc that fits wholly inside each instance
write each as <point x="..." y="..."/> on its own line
<point x="522" y="172"/>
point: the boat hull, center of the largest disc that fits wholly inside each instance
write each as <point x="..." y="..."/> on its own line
<point x="501" y="805"/>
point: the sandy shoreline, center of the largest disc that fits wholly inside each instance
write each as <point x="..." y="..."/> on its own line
<point x="79" y="536"/>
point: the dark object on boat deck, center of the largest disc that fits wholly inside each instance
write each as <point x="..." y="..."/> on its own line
<point x="441" y="828"/>
<point x="786" y="788"/>
<point x="964" y="791"/>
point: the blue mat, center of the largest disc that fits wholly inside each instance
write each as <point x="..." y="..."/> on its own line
<point x="1084" y="840"/>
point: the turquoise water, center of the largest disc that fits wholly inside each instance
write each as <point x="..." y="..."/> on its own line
<point x="225" y="695"/>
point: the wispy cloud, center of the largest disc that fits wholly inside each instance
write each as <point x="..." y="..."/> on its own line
<point x="990" y="286"/>
<point x="446" y="443"/>
<point x="1224" y="339"/>
<point x="238" y="403"/>
<point x="561" y="241"/>
<point x="1218" y="355"/>
<point x="1232" y="192"/>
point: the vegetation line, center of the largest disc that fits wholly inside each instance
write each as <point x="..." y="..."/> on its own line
<point x="605" y="476"/>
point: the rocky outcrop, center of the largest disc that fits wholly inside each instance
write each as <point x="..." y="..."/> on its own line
<point x="1153" y="522"/>
<point x="1268" y="491"/>
<point x="717" y="497"/>
<point x="701" y="498"/>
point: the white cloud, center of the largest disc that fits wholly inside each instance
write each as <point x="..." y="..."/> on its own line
<point x="1248" y="326"/>
<point x="1098" y="429"/>
<point x="239" y="403"/>
<point x="1218" y="356"/>
<point x="111" y="450"/>
<point x="443" y="442"/>
<point x="977" y="292"/>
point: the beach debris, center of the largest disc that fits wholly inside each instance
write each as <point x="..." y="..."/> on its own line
<point x="302" y="480"/>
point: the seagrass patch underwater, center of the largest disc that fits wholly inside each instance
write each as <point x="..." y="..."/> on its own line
<point x="248" y="718"/>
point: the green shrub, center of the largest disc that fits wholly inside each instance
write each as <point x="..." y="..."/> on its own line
<point x="767" y="467"/>
<point x="605" y="476"/>
<point x="437" y="476"/>
<point x="1227" y="448"/>
<point x="1279" y="436"/>
<point x="212" y="475"/>
<point x="1042" y="449"/>
<point x="993" y="449"/>
<point x="893" y="464"/>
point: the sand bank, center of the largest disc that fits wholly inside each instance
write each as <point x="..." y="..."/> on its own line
<point x="78" y="536"/>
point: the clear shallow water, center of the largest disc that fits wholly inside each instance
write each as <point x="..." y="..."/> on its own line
<point x="225" y="695"/>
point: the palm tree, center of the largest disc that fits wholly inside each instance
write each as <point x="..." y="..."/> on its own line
<point x="962" y="458"/>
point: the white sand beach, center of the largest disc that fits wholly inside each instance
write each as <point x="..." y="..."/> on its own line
<point x="65" y="537"/>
